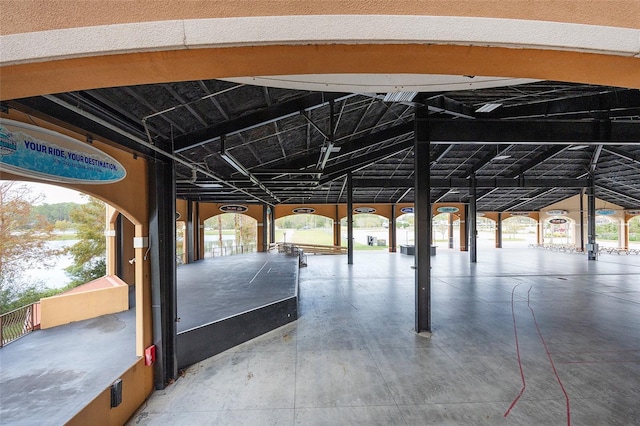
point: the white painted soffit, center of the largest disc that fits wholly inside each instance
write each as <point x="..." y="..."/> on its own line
<point x="315" y="29"/>
<point x="380" y="83"/>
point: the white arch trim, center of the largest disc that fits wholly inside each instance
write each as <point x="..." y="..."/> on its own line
<point x="315" y="29"/>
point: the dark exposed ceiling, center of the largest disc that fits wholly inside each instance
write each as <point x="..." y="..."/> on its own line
<point x="539" y="146"/>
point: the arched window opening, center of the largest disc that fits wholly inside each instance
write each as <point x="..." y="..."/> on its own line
<point x="230" y="233"/>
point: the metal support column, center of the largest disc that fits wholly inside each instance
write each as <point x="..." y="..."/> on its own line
<point x="450" y="230"/>
<point x="393" y="236"/>
<point x="499" y="231"/>
<point x="349" y="219"/>
<point x="265" y="228"/>
<point x="592" y="247"/>
<point x="422" y="218"/>
<point x="190" y="231"/>
<point x="582" y="220"/>
<point x="472" y="218"/>
<point x="162" y="259"/>
<point x="272" y="225"/>
<point x="198" y="234"/>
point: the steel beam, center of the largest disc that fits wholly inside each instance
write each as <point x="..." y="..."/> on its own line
<point x="422" y="218"/>
<point x="473" y="233"/>
<point x="349" y="219"/>
<point x="258" y="118"/>
<point x="592" y="249"/>
<point x="162" y="261"/>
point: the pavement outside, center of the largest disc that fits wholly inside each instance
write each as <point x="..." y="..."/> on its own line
<point x="48" y="376"/>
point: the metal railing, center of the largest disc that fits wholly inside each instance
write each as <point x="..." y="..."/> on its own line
<point x="215" y="251"/>
<point x="294" y="250"/>
<point x="17" y="323"/>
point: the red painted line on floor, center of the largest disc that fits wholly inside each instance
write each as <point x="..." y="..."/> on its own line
<point x="515" y="332"/>
<point x="553" y="366"/>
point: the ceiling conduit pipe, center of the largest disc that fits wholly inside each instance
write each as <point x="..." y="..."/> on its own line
<point x="150" y="145"/>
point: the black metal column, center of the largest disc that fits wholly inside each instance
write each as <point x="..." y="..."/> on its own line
<point x="422" y="218"/>
<point x="499" y="231"/>
<point x="190" y="233"/>
<point x="592" y="247"/>
<point x="197" y="242"/>
<point x="582" y="221"/>
<point x="349" y="219"/>
<point x="473" y="232"/>
<point x="450" y="230"/>
<point x="265" y="228"/>
<point x="162" y="258"/>
<point x="272" y="225"/>
<point x="393" y="243"/>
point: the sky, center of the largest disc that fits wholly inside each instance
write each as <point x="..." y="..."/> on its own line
<point x="55" y="194"/>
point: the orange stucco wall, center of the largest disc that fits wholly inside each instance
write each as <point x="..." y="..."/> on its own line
<point x="137" y="384"/>
<point x="18" y="15"/>
<point x="24" y="16"/>
<point x="111" y="298"/>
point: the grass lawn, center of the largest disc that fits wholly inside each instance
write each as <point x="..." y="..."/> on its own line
<point x="310" y="236"/>
<point x="215" y="232"/>
<point x="65" y="237"/>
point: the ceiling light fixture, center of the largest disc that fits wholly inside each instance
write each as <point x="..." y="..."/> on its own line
<point x="400" y="96"/>
<point x="326" y="152"/>
<point x="488" y="107"/>
<point x="208" y="185"/>
<point x="501" y="157"/>
<point x="576" y="147"/>
<point x="234" y="163"/>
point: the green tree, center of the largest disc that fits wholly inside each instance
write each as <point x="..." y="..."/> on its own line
<point x="89" y="253"/>
<point x="23" y="239"/>
<point x="54" y="212"/>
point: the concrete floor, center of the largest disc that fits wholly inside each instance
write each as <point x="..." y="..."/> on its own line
<point x="353" y="358"/>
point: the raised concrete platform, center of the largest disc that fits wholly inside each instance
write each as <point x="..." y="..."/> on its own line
<point x="225" y="301"/>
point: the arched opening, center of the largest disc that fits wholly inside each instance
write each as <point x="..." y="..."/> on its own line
<point x="446" y="228"/>
<point x="305" y="228"/>
<point x="634" y="233"/>
<point x="518" y="231"/>
<point x="370" y="231"/>
<point x="486" y="228"/>
<point x="227" y="234"/>
<point x="53" y="241"/>
<point x="404" y="229"/>
<point x="607" y="231"/>
<point x="558" y="230"/>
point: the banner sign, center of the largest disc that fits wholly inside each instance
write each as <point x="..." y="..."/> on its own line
<point x="557" y="212"/>
<point x="519" y="213"/>
<point x="448" y="209"/>
<point x="303" y="210"/>
<point x="32" y="151"/>
<point x="232" y="208"/>
<point x="605" y="212"/>
<point x="633" y="212"/>
<point x="364" y="210"/>
<point x="558" y="221"/>
<point x="407" y="210"/>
